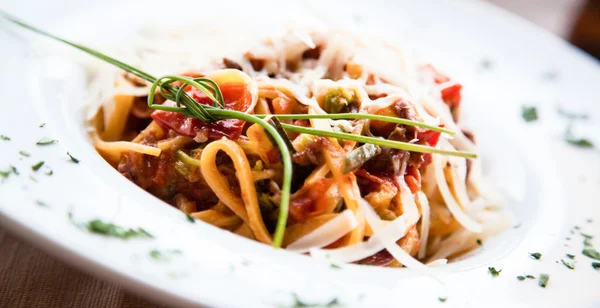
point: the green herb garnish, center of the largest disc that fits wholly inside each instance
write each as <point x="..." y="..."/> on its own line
<point x="535" y="255"/>
<point x="33" y="179"/>
<point x="42" y="125"/>
<point x="5" y="174"/>
<point x="580" y="142"/>
<point x="73" y="159"/>
<point x="49" y="172"/>
<point x="208" y="114"/>
<point x="494" y="272"/>
<point x="442" y="299"/>
<point x="570" y="256"/>
<point x="543" y="282"/>
<point x="24" y="153"/>
<point x="530" y="276"/>
<point x="586" y="236"/>
<point x="521" y="278"/>
<point x="46" y="141"/>
<point x="109" y="229"/>
<point x="155" y="254"/>
<point x="575" y="141"/>
<point x="41" y="203"/>
<point x="163" y="255"/>
<point x="550" y="76"/>
<point x="37" y="166"/>
<point x="5" y="138"/>
<point x="486" y="64"/>
<point x="479" y="242"/>
<point x="591" y="252"/>
<point x="190" y="218"/>
<point x="299" y="303"/>
<point x="568" y="264"/>
<point x="571" y="115"/>
<point x="529" y="113"/>
<point x="596" y="265"/>
<point x="14" y="170"/>
<point x="335" y="266"/>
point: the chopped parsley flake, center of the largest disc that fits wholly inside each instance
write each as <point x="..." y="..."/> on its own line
<point x="73" y="159"/>
<point x="486" y="64"/>
<point x="37" y="166"/>
<point x="571" y="115"/>
<point x="550" y="76"/>
<point x="46" y="141"/>
<point x="335" y="266"/>
<point x="41" y="203"/>
<point x="493" y="271"/>
<point x="5" y="174"/>
<point x="529" y="113"/>
<point x="596" y="265"/>
<point x="24" y="153"/>
<point x="5" y="138"/>
<point x="591" y="252"/>
<point x="575" y="141"/>
<point x="190" y="218"/>
<point x="155" y="254"/>
<point x="442" y="299"/>
<point x="521" y="278"/>
<point x="530" y="276"/>
<point x="33" y="179"/>
<point x="14" y="170"/>
<point x="42" y="125"/>
<point x="535" y="255"/>
<point x="49" y="172"/>
<point x="568" y="264"/>
<point x="109" y="229"/>
<point x="543" y="282"/>
<point x="299" y="303"/>
<point x="158" y="255"/>
<point x="570" y="256"/>
<point x="479" y="242"/>
<point x="586" y="236"/>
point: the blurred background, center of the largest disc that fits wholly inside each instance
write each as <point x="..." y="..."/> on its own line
<point x="577" y="21"/>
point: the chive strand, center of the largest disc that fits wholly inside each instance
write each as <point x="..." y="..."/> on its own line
<point x="367" y="116"/>
<point x="378" y="141"/>
<point x="89" y="51"/>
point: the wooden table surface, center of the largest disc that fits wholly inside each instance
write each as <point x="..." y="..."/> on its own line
<point x="31" y="278"/>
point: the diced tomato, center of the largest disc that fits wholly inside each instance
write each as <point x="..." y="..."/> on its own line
<point x="430" y="136"/>
<point x="236" y="97"/>
<point x="310" y="200"/>
<point x="450" y="95"/>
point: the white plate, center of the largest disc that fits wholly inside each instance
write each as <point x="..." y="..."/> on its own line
<point x="551" y="186"/>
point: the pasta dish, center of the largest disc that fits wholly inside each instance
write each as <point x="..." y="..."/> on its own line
<point x="352" y="201"/>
